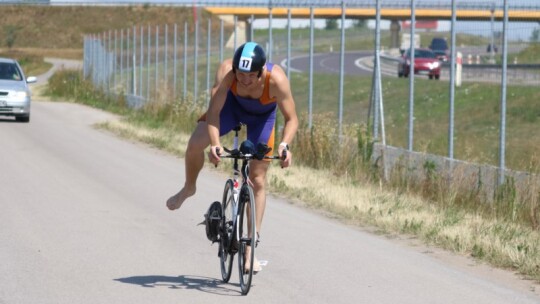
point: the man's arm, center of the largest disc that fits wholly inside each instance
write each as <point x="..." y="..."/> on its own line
<point x="282" y="91"/>
<point x="223" y="80"/>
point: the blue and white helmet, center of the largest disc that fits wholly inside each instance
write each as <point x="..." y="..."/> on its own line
<point x="249" y="57"/>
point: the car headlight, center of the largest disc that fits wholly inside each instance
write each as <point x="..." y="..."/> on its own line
<point x="20" y="94"/>
<point x="435" y="64"/>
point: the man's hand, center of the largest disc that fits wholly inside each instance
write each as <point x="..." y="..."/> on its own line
<point x="287" y="161"/>
<point x="213" y="155"/>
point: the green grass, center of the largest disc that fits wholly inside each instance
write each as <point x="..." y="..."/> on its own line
<point x="476" y="121"/>
<point x="530" y="54"/>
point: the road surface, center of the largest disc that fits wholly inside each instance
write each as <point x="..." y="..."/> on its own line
<point x="83" y="220"/>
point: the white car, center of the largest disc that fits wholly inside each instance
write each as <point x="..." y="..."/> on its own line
<point x="15" y="96"/>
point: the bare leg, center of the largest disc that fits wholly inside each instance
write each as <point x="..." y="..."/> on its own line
<point x="194" y="162"/>
<point x="257" y="175"/>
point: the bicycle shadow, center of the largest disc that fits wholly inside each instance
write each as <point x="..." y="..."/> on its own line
<point x="188" y="282"/>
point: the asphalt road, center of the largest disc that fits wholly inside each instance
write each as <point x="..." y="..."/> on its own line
<point x="83" y="220"/>
<point x="330" y="63"/>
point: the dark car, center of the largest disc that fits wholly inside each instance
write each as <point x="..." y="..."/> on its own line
<point x="440" y="47"/>
<point x="425" y="63"/>
<point x="488" y="49"/>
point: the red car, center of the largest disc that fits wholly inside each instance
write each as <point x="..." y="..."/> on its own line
<point x="425" y="63"/>
<point x="442" y="55"/>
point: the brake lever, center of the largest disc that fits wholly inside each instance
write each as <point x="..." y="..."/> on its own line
<point x="283" y="156"/>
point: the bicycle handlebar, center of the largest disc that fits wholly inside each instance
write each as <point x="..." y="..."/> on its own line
<point x="237" y="154"/>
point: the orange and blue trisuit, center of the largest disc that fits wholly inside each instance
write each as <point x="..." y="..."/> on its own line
<point x="259" y="115"/>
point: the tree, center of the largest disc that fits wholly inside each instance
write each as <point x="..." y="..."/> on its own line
<point x="331" y="24"/>
<point x="360" y="23"/>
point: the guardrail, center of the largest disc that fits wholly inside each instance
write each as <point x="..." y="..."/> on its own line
<point x="522" y="74"/>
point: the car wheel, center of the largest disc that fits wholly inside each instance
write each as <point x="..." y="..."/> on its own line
<point x="22" y="118"/>
<point x="437" y="77"/>
<point x="430" y="76"/>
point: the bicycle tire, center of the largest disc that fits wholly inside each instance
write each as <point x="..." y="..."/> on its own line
<point x="226" y="254"/>
<point x="246" y="232"/>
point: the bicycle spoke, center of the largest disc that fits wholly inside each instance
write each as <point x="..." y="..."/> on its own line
<point x="226" y="254"/>
<point x="246" y="230"/>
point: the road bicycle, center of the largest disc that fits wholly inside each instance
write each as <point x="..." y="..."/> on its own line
<point x="237" y="233"/>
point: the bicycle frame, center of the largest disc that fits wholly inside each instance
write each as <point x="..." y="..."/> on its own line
<point x="238" y="231"/>
<point x="236" y="184"/>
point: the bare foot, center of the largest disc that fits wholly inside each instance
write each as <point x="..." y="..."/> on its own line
<point x="256" y="265"/>
<point x="175" y="201"/>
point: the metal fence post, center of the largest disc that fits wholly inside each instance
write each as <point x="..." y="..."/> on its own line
<point x="502" y="134"/>
<point x="196" y="62"/>
<point x="310" y="95"/>
<point x="289" y="44"/>
<point x="156" y="74"/>
<point x="341" y="72"/>
<point x="208" y="45"/>
<point x="149" y="53"/>
<point x="452" y="83"/>
<point x="165" y="60"/>
<point x="185" y="60"/>
<point x="141" y="60"/>
<point x="175" y="60"/>
<point x="411" y="77"/>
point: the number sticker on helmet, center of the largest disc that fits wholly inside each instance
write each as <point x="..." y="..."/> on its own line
<point x="245" y="64"/>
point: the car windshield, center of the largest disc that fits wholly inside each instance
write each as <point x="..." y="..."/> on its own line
<point x="422" y="54"/>
<point x="9" y="71"/>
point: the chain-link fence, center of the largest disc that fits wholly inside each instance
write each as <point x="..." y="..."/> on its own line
<point x="347" y="59"/>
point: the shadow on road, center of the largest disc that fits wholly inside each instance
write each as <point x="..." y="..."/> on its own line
<point x="209" y="285"/>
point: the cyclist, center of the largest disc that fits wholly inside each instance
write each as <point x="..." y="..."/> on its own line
<point x="247" y="90"/>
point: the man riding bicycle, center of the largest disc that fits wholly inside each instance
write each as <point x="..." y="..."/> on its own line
<point x="247" y="90"/>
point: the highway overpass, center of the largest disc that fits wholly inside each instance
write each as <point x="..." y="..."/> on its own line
<point x="469" y="14"/>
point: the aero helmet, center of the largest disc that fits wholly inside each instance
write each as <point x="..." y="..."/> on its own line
<point x="249" y="57"/>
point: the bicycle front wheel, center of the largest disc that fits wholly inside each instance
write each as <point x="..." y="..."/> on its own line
<point x="226" y="250"/>
<point x="246" y="233"/>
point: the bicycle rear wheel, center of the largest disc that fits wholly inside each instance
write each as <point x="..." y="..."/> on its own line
<point x="226" y="250"/>
<point x="246" y="231"/>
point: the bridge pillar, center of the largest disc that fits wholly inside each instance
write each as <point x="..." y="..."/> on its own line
<point x="242" y="30"/>
<point x="394" y="34"/>
<point x="249" y="25"/>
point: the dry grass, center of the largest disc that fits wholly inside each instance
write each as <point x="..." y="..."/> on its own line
<point x="503" y="232"/>
<point x="500" y="243"/>
<point x="65" y="53"/>
<point x="63" y="27"/>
